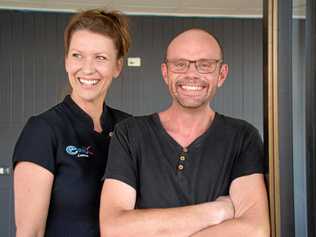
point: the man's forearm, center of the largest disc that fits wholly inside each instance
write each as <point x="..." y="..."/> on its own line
<point x="236" y="227"/>
<point x="249" y="197"/>
<point x="171" y="222"/>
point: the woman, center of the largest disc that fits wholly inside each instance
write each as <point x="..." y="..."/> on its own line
<point x="60" y="157"/>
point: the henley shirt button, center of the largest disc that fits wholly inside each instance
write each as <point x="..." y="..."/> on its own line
<point x="180" y="167"/>
<point x="110" y="134"/>
<point x="182" y="158"/>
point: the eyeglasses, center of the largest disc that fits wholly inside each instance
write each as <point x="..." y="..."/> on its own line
<point x="202" y="65"/>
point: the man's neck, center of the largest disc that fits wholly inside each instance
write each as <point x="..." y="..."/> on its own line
<point x="186" y="125"/>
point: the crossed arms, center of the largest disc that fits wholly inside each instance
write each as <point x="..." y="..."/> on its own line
<point x="243" y="213"/>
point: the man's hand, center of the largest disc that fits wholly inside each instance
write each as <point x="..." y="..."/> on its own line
<point x="228" y="210"/>
<point x="248" y="194"/>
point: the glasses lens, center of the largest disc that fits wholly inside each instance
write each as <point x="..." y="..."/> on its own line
<point x="206" y="66"/>
<point x="202" y="65"/>
<point x="179" y="65"/>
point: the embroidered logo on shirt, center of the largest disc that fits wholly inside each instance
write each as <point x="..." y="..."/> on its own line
<point x="79" y="152"/>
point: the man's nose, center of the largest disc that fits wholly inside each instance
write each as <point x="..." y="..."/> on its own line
<point x="192" y="68"/>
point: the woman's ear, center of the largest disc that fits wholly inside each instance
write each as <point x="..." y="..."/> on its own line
<point x="119" y="67"/>
<point x="66" y="63"/>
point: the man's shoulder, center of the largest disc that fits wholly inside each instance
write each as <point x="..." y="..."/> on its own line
<point x="235" y="124"/>
<point x="135" y="129"/>
<point x="136" y="122"/>
<point x="138" y="119"/>
<point x="118" y="115"/>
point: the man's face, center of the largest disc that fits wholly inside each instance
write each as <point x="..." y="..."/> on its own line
<point x="193" y="88"/>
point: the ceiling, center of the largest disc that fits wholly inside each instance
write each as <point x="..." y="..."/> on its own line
<point x="229" y="8"/>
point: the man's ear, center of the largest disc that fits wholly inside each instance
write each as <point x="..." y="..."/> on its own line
<point x="223" y="73"/>
<point x="164" y="72"/>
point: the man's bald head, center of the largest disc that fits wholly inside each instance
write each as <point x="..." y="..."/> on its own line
<point x="195" y="40"/>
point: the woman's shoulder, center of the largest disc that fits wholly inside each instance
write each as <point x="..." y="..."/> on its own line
<point x="48" y="119"/>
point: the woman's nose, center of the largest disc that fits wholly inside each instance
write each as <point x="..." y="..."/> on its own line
<point x="88" y="66"/>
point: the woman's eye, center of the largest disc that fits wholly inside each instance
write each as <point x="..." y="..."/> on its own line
<point x="101" y="58"/>
<point x="76" y="55"/>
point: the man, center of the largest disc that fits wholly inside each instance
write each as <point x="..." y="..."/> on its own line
<point x="187" y="171"/>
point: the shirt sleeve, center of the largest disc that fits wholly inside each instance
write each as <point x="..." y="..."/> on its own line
<point x="122" y="163"/>
<point x="36" y="144"/>
<point x="250" y="159"/>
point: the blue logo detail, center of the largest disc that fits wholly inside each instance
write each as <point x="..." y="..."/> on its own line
<point x="72" y="150"/>
<point x="79" y="152"/>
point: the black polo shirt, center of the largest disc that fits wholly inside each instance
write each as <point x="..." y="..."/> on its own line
<point x="143" y="155"/>
<point x="63" y="141"/>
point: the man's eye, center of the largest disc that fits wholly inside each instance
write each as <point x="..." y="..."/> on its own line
<point x="205" y="64"/>
<point x="180" y="64"/>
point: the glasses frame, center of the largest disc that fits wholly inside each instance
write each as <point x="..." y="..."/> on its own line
<point x="217" y="61"/>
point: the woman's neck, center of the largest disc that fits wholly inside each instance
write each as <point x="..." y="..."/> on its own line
<point x="93" y="108"/>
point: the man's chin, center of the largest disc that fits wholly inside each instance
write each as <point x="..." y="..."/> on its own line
<point x="192" y="104"/>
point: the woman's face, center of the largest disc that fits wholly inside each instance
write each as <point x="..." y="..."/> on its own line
<point x="91" y="64"/>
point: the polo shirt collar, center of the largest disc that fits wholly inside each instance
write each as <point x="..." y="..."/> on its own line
<point x="82" y="118"/>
